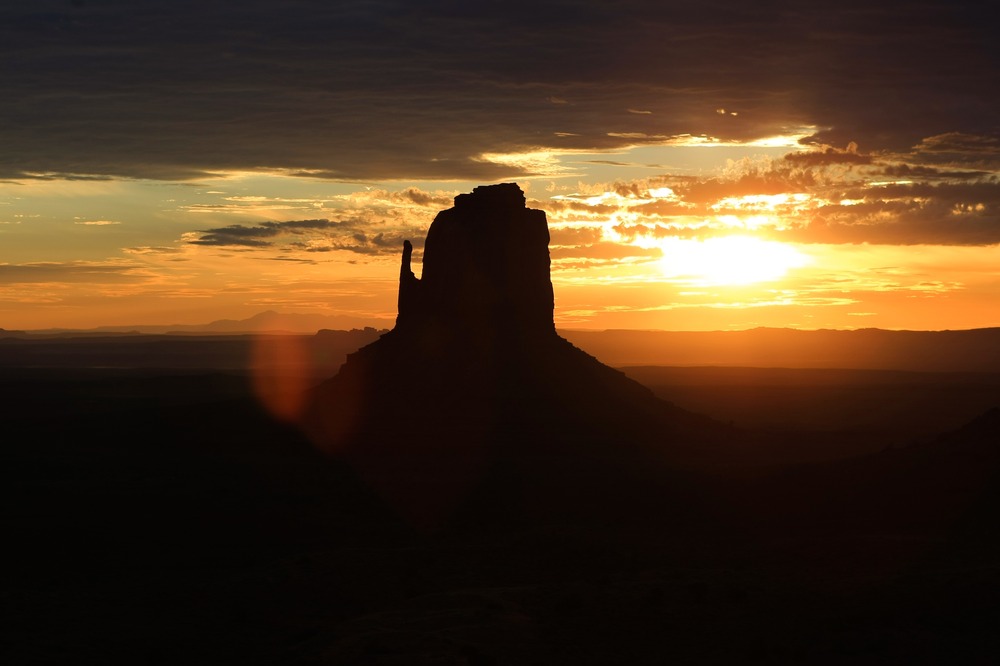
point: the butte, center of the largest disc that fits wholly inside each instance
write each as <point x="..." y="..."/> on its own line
<point x="473" y="405"/>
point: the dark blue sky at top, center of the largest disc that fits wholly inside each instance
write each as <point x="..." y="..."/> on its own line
<point x="417" y="90"/>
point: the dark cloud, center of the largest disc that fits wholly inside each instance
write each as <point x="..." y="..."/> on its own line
<point x="393" y="89"/>
<point x="255" y="236"/>
<point x="904" y="226"/>
<point x="829" y="155"/>
<point x="56" y="175"/>
<point x="421" y="198"/>
<point x="375" y="244"/>
<point x="293" y="260"/>
<point x="960" y="143"/>
<point x="236" y="235"/>
<point x="776" y="180"/>
<point x="152" y="250"/>
<point x="958" y="150"/>
<point x="915" y="214"/>
<point x="930" y="173"/>
<point x="948" y="195"/>
<point x="302" y="224"/>
<point x="312" y="236"/>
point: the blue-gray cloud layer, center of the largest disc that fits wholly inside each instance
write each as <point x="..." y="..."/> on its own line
<point x="327" y="236"/>
<point x="402" y="89"/>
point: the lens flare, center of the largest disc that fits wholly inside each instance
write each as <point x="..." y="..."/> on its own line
<point x="281" y="368"/>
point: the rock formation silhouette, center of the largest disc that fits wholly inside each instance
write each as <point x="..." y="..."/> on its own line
<point x="473" y="392"/>
<point x="486" y="270"/>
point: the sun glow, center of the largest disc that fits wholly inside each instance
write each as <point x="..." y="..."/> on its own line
<point x="728" y="260"/>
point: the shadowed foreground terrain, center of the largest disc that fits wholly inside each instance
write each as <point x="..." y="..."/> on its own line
<point x="472" y="488"/>
<point x="168" y="519"/>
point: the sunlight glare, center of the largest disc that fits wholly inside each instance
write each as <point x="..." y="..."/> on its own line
<point x="728" y="260"/>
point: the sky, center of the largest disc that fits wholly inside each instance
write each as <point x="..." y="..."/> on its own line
<point x="703" y="165"/>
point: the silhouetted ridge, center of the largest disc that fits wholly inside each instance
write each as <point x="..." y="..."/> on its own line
<point x="474" y="383"/>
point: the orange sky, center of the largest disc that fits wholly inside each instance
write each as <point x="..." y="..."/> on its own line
<point x="703" y="169"/>
<point x="642" y="253"/>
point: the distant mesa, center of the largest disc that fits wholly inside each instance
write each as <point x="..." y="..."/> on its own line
<point x="473" y="388"/>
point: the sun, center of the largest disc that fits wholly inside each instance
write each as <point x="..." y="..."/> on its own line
<point x="728" y="260"/>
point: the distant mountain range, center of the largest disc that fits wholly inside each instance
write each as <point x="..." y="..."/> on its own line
<point x="269" y="321"/>
<point x="973" y="350"/>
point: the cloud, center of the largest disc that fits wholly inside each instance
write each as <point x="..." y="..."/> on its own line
<point x="152" y="250"/>
<point x="930" y="173"/>
<point x="70" y="272"/>
<point x="258" y="235"/>
<point x="374" y="91"/>
<point x="825" y="196"/>
<point x="959" y="142"/>
<point x="311" y="237"/>
<point x="601" y="252"/>
<point x="383" y="199"/>
<point x="573" y="236"/>
<point x="236" y="234"/>
<point x="829" y="155"/>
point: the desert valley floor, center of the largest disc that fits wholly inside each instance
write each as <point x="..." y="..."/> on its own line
<point x="161" y="515"/>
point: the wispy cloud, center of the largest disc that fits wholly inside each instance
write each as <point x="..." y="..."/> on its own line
<point x="71" y="272"/>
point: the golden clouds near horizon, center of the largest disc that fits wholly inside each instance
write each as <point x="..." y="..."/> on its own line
<point x="655" y="232"/>
<point x="717" y="249"/>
